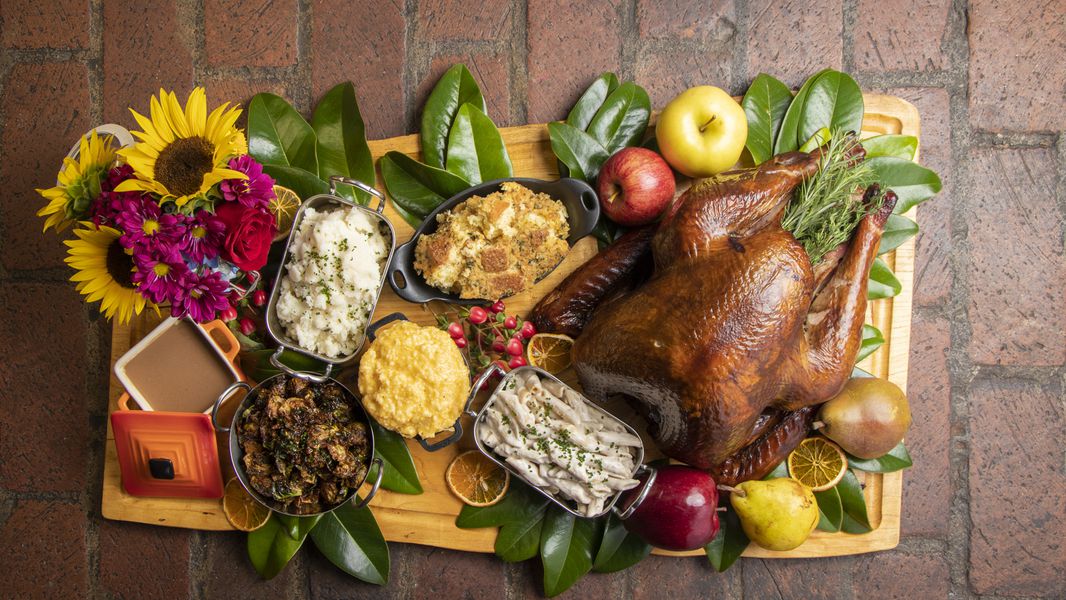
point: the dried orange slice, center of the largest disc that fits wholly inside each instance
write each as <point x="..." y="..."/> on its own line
<point x="817" y="463"/>
<point x="476" y="480"/>
<point x="284" y="207"/>
<point x="550" y="351"/>
<point x="242" y="511"/>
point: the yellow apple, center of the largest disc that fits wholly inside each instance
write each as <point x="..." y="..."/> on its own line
<point x="702" y="131"/>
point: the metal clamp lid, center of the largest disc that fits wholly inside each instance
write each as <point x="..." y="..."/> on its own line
<point x="628" y="511"/>
<point x="275" y="359"/>
<point x="335" y="179"/>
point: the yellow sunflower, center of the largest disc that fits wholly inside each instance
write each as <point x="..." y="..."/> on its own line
<point x="79" y="183"/>
<point x="103" y="271"/>
<point x="183" y="153"/>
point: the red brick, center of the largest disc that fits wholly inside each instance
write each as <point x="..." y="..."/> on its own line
<point x="250" y="33"/>
<point x="490" y="69"/>
<point x="145" y="47"/>
<point x="35" y="24"/>
<point x="659" y="577"/>
<point x="900" y="35"/>
<point x="898" y="576"/>
<point x="672" y="70"/>
<point x="373" y="59"/>
<point x="569" y="46"/>
<point x="927" y="488"/>
<point x="686" y="19"/>
<point x="794" y="39"/>
<point x="143" y="561"/>
<point x="438" y="573"/>
<point x="1017" y="486"/>
<point x="828" y="578"/>
<point x="1017" y="310"/>
<point x="45" y="443"/>
<point x="1017" y="75"/>
<point x="46" y="108"/>
<point x="933" y="274"/>
<point x="230" y="574"/>
<point x="43" y="545"/>
<point x="456" y="19"/>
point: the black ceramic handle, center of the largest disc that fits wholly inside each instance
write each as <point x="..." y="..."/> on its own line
<point x="372" y="330"/>
<point x="582" y="207"/>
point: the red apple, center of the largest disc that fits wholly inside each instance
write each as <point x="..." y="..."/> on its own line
<point x="680" y="511"/>
<point x="635" y="186"/>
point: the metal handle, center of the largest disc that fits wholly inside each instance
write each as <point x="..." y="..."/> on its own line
<point x="253" y="281"/>
<point x="493" y="369"/>
<point x="275" y="359"/>
<point x="372" y="330"/>
<point x="222" y="397"/>
<point x="355" y="183"/>
<point x="377" y="484"/>
<point x="641" y="496"/>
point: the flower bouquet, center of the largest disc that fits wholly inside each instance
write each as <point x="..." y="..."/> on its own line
<point x="182" y="216"/>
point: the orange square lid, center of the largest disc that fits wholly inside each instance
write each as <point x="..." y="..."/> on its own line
<point x="167" y="454"/>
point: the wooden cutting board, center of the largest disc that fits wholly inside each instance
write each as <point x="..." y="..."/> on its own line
<point x="429" y="518"/>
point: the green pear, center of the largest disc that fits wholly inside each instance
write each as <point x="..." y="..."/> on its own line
<point x="867" y="418"/>
<point x="777" y="514"/>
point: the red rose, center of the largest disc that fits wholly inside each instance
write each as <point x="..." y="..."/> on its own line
<point x="249" y="233"/>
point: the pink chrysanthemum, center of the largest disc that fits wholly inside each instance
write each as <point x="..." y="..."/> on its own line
<point x="205" y="296"/>
<point x="203" y="237"/>
<point x="161" y="274"/>
<point x="145" y="224"/>
<point x="255" y="192"/>
<point x="106" y="207"/>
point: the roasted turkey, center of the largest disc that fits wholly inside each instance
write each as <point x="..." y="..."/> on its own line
<point x="735" y="331"/>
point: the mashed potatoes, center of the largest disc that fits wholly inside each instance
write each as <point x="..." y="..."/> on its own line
<point x="331" y="280"/>
<point x="413" y="380"/>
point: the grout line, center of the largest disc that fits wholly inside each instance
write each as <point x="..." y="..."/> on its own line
<point x="299" y="78"/>
<point x="849" y="15"/>
<point x="519" y="62"/>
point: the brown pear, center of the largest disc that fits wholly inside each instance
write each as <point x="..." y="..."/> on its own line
<point x="867" y="418"/>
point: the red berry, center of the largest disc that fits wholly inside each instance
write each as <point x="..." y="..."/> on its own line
<point x="516" y="361"/>
<point x="228" y="314"/>
<point x="461" y="342"/>
<point x="497" y="307"/>
<point x="478" y="315"/>
<point x="528" y="330"/>
<point x="259" y="298"/>
<point x="510" y="322"/>
<point x="455" y="330"/>
<point x="514" y="347"/>
<point x="498" y="345"/>
<point x="247" y="326"/>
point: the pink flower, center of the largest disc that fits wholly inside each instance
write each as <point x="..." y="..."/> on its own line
<point x="161" y="274"/>
<point x="255" y="192"/>
<point x="106" y="207"/>
<point x="145" y="224"/>
<point x="203" y="236"/>
<point x="205" y="296"/>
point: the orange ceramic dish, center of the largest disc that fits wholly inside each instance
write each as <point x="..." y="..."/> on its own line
<point x="167" y="454"/>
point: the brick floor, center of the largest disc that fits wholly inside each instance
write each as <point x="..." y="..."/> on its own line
<point x="983" y="507"/>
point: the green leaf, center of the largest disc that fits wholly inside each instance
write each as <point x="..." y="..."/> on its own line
<point x="263" y="370"/>
<point x="781" y="470"/>
<point x="833" y="102"/>
<point x="400" y="472"/>
<point x="270" y="548"/>
<point x="730" y="542"/>
<point x="788" y="136"/>
<point x="897" y="458"/>
<point x="765" y="104"/>
<point x="475" y="149"/>
<point x="520" y="540"/>
<point x="857" y="372"/>
<point x="278" y="135"/>
<point x="415" y="187"/>
<point x="579" y="151"/>
<point x="454" y="89"/>
<point x="898" y="229"/>
<point x="304" y="183"/>
<point x="899" y="146"/>
<point x="519" y="505"/>
<point x="619" y="549"/>
<point x="872" y="339"/>
<point x="566" y="547"/>
<point x="590" y="102"/>
<point x="342" y="147"/>
<point x="351" y="540"/>
<point x="623" y="118"/>
<point x="831" y="512"/>
<point x="912" y="182"/>
<point x="855" y="519"/>
<point x="883" y="282"/>
<point x="819" y="139"/>
<point x="606" y="231"/>
<point x="298" y="527"/>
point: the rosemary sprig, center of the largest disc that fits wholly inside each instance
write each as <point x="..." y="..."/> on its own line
<point x="827" y="207"/>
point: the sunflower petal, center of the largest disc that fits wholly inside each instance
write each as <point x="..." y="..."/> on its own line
<point x="196" y="111"/>
<point x="159" y="121"/>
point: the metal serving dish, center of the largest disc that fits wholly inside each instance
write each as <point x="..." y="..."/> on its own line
<point x="582" y="213"/>
<point x="277" y="331"/>
<point x="237" y="454"/>
<point x="567" y="505"/>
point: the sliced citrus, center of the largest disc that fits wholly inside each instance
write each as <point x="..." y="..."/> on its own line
<point x="476" y="480"/>
<point x="242" y="511"/>
<point x="284" y="207"/>
<point x="817" y="463"/>
<point x="550" y="351"/>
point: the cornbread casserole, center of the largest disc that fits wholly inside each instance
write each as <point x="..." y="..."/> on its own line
<point x="494" y="246"/>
